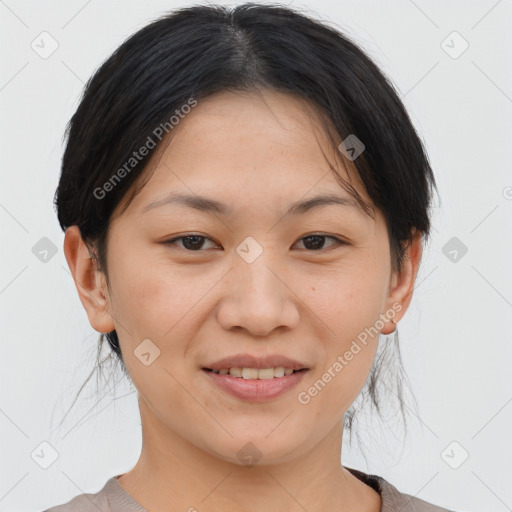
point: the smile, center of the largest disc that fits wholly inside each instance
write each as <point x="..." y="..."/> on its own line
<point x="255" y="373"/>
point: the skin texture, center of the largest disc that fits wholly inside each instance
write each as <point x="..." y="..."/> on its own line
<point x="258" y="153"/>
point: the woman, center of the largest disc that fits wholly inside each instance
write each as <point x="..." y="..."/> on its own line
<point x="244" y="200"/>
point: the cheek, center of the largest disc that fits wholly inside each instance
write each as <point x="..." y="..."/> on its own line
<point x="348" y="303"/>
<point x="162" y="305"/>
<point x="150" y="306"/>
<point x="350" y="299"/>
<point x="150" y="299"/>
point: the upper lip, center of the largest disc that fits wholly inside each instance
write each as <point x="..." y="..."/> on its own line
<point x="250" y="361"/>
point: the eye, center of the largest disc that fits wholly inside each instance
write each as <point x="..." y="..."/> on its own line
<point x="315" y="241"/>
<point x="190" y="242"/>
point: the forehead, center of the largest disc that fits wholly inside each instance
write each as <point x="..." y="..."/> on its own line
<point x="262" y="146"/>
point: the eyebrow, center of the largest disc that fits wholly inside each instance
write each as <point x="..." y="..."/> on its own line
<point x="209" y="205"/>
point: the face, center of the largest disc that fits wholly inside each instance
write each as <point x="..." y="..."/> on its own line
<point x="285" y="287"/>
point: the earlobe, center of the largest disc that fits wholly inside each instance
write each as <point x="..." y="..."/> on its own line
<point x="402" y="283"/>
<point x="89" y="281"/>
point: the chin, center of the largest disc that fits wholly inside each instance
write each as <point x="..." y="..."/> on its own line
<point x="257" y="448"/>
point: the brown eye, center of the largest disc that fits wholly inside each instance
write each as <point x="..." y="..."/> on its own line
<point x="189" y="242"/>
<point x="316" y="242"/>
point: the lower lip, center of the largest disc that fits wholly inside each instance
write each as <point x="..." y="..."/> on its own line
<point x="255" y="390"/>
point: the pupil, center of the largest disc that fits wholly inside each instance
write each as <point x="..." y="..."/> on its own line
<point x="316" y="238"/>
<point x="197" y="242"/>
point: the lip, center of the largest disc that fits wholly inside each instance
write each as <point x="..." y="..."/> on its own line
<point x="250" y="361"/>
<point x="255" y="390"/>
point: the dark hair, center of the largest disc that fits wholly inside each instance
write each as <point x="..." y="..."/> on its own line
<point x="197" y="51"/>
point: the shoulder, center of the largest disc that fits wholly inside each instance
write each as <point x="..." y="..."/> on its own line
<point x="395" y="500"/>
<point x="111" y="498"/>
<point x="97" y="502"/>
<point x="392" y="499"/>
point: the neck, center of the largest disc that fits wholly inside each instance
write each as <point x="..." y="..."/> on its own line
<point x="173" y="472"/>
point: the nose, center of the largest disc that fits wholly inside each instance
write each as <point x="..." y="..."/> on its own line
<point x="257" y="298"/>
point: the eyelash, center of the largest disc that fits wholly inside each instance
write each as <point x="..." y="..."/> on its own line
<point x="338" y="241"/>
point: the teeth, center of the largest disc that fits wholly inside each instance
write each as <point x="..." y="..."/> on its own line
<point x="279" y="371"/>
<point x="252" y="373"/>
<point x="255" y="373"/>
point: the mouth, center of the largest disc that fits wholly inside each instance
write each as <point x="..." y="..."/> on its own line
<point x="256" y="373"/>
<point x="255" y="384"/>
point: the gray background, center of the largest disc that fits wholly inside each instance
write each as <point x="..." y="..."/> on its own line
<point x="455" y="338"/>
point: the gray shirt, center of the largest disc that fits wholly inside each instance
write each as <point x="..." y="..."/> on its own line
<point x="113" y="498"/>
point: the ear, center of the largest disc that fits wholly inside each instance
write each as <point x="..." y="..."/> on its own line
<point x="89" y="281"/>
<point x="402" y="283"/>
